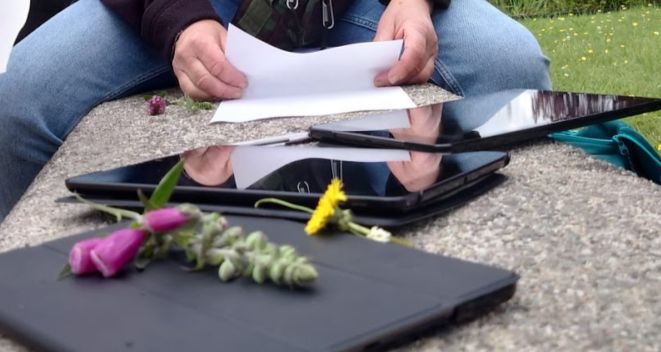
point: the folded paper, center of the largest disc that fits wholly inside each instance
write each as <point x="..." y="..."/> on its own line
<point x="335" y="80"/>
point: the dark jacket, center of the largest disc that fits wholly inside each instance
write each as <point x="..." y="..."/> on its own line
<point x="159" y="22"/>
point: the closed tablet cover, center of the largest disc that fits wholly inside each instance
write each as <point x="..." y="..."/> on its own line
<point x="367" y="294"/>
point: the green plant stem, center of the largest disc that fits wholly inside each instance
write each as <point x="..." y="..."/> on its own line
<point x="284" y="204"/>
<point x="118" y="213"/>
<point x="400" y="241"/>
<point x="358" y="229"/>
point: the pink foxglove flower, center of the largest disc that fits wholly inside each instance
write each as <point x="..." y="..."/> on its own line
<point x="79" y="256"/>
<point x="118" y="249"/>
<point x="156" y="105"/>
<point x="164" y="220"/>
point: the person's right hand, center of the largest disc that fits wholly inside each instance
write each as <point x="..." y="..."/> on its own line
<point x="419" y="173"/>
<point x="209" y="166"/>
<point x="200" y="64"/>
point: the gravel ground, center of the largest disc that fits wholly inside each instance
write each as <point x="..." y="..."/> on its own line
<point x="583" y="235"/>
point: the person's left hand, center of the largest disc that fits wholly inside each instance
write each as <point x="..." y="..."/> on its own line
<point x="409" y="20"/>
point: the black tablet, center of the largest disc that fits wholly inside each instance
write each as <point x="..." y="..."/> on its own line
<point x="368" y="295"/>
<point x="212" y="178"/>
<point x="490" y="121"/>
<point x="468" y="192"/>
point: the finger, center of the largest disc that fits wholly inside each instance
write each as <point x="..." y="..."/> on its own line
<point x="384" y="31"/>
<point x="193" y="153"/>
<point x="397" y="169"/>
<point x="412" y="61"/>
<point x="190" y="89"/>
<point x="426" y="72"/>
<point x="381" y="80"/>
<point x="216" y="63"/>
<point x="210" y="84"/>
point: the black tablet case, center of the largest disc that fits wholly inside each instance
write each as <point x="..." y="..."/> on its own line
<point x="368" y="295"/>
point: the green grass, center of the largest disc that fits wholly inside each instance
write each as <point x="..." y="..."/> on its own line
<point x="613" y="53"/>
<point x="536" y="8"/>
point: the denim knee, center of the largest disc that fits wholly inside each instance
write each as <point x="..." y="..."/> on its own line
<point x="25" y="145"/>
<point x="482" y="50"/>
<point x="495" y="66"/>
<point x="521" y="66"/>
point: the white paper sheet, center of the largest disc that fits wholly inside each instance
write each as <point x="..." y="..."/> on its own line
<point x="13" y="14"/>
<point x="330" y="81"/>
<point x="251" y="163"/>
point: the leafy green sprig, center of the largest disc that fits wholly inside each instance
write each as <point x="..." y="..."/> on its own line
<point x="208" y="240"/>
<point x="185" y="101"/>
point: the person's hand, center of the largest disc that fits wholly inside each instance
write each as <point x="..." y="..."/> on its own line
<point x="210" y="166"/>
<point x="425" y="125"/>
<point x="409" y="20"/>
<point x="200" y="64"/>
<point x="419" y="173"/>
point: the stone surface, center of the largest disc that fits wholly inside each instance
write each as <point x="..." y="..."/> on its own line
<point x="583" y="235"/>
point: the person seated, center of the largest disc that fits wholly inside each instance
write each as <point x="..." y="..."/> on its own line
<point x="95" y="51"/>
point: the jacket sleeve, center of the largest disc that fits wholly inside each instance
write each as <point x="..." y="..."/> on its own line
<point x="159" y="22"/>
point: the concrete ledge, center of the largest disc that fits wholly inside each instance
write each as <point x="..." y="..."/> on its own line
<point x="583" y="235"/>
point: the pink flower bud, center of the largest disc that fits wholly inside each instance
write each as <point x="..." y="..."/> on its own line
<point x="79" y="256"/>
<point x="164" y="220"/>
<point x="115" y="251"/>
<point x="156" y="105"/>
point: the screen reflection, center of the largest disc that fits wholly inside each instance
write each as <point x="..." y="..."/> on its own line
<point x="527" y="109"/>
<point x="504" y="112"/>
<point x="213" y="167"/>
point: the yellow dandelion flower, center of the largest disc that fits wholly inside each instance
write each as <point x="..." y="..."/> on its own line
<point x="658" y="147"/>
<point x="583" y="58"/>
<point x="635" y="24"/>
<point x="606" y="51"/>
<point x="326" y="207"/>
<point x="590" y="51"/>
<point x="656" y="33"/>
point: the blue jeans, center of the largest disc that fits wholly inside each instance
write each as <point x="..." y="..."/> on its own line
<point x="86" y="55"/>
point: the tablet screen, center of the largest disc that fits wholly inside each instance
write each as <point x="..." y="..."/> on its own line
<point x="269" y="168"/>
<point x="518" y="114"/>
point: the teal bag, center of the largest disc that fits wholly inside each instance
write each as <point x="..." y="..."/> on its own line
<point x="617" y="143"/>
